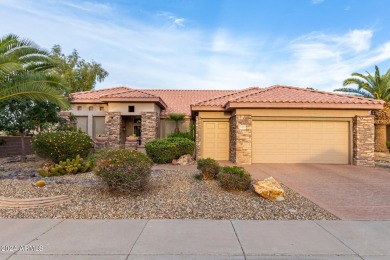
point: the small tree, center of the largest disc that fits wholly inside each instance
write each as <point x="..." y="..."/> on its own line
<point x="23" y="115"/>
<point x="177" y="118"/>
<point x="78" y="73"/>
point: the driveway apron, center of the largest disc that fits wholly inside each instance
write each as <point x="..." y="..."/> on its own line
<point x="349" y="192"/>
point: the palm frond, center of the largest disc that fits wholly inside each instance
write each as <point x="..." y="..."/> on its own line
<point x="357" y="92"/>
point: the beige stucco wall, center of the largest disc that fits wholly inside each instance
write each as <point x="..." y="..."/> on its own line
<point x="138" y="108"/>
<point x="303" y="112"/>
<point x="85" y="109"/>
<point x="87" y="116"/>
<point x="216" y="115"/>
<point x="168" y="126"/>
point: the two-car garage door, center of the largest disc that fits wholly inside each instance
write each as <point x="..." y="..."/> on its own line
<point x="300" y="142"/>
<point x="284" y="141"/>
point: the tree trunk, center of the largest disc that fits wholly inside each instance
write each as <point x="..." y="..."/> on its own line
<point x="177" y="130"/>
<point x="380" y="138"/>
<point x="23" y="153"/>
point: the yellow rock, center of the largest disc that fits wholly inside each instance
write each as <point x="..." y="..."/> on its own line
<point x="269" y="188"/>
<point x="40" y="183"/>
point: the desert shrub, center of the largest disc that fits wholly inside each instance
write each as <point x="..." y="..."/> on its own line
<point x="234" y="178"/>
<point x="70" y="166"/>
<point x="62" y="145"/>
<point x="123" y="170"/>
<point x="189" y="135"/>
<point x="166" y="149"/>
<point x="208" y="168"/>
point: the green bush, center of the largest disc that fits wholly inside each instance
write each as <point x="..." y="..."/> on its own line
<point x="74" y="166"/>
<point x="166" y="149"/>
<point x="189" y="135"/>
<point x="59" y="146"/>
<point x="123" y="170"/>
<point x="209" y="168"/>
<point x="388" y="145"/>
<point x="234" y="178"/>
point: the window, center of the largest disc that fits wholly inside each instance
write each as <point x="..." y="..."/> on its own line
<point x="101" y="108"/>
<point x="79" y="107"/>
<point x="131" y="108"/>
<point x="90" y="108"/>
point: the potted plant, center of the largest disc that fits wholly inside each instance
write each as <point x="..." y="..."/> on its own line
<point x="132" y="138"/>
<point x="101" y="137"/>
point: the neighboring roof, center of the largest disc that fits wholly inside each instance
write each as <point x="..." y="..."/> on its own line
<point x="287" y="97"/>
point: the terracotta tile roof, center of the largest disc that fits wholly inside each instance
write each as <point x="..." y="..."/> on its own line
<point x="130" y="93"/>
<point x="96" y="94"/>
<point x="179" y="101"/>
<point x="182" y="101"/>
<point x="220" y="101"/>
<point x="286" y="96"/>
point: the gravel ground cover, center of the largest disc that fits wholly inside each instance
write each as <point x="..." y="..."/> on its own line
<point x="172" y="194"/>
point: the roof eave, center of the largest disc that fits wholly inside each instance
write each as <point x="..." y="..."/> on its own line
<point x="233" y="105"/>
<point x="86" y="101"/>
<point x="206" y="108"/>
<point x="156" y="100"/>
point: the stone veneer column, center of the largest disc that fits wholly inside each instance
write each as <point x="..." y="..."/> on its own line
<point x="149" y="126"/>
<point x="243" y="129"/>
<point x="113" y="129"/>
<point x="232" y="139"/>
<point x="198" y="138"/>
<point x="363" y="140"/>
<point x="66" y="115"/>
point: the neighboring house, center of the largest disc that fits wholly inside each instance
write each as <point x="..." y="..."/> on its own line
<point x="278" y="124"/>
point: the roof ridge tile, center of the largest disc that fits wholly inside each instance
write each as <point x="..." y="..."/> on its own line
<point x="226" y="95"/>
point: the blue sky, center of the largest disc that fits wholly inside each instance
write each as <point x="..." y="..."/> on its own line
<point x="212" y="44"/>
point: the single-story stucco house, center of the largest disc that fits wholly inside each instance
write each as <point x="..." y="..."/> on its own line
<point x="278" y="124"/>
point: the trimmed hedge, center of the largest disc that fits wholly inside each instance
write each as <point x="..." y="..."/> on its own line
<point x="123" y="170"/>
<point x="166" y="149"/>
<point x="59" y="146"/>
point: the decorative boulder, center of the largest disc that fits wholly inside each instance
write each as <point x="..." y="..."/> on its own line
<point x="40" y="183"/>
<point x="185" y="160"/>
<point x="270" y="189"/>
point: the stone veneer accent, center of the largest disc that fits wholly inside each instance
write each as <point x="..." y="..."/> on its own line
<point x="232" y="139"/>
<point x="363" y="140"/>
<point x="67" y="116"/>
<point x="198" y="124"/>
<point x="240" y="150"/>
<point x="113" y="129"/>
<point x="149" y="126"/>
<point x="131" y="145"/>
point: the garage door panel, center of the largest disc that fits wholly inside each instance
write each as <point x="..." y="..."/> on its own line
<point x="300" y="142"/>
<point x="215" y="141"/>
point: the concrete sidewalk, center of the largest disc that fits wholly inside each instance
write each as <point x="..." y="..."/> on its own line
<point x="193" y="239"/>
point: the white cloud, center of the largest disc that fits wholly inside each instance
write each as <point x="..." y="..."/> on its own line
<point x="146" y="54"/>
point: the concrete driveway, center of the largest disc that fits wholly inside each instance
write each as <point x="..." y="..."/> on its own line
<point x="349" y="192"/>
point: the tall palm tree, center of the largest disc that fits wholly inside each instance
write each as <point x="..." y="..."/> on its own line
<point x="375" y="86"/>
<point x="25" y="72"/>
